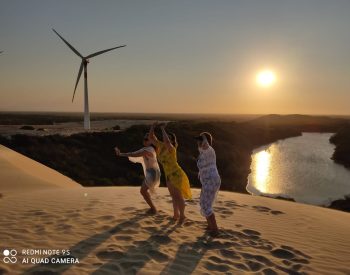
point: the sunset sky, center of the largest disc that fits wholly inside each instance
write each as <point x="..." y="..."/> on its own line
<point x="198" y="56"/>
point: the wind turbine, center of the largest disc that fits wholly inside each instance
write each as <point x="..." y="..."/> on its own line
<point x="83" y="65"/>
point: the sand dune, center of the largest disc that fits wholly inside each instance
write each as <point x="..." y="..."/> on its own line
<point x="21" y="174"/>
<point x="108" y="231"/>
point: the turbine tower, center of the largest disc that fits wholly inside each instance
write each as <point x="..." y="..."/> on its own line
<point x="83" y="65"/>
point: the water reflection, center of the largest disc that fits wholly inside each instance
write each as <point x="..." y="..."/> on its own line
<point x="262" y="169"/>
<point x="300" y="168"/>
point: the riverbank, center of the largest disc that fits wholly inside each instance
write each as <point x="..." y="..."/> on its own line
<point x="341" y="140"/>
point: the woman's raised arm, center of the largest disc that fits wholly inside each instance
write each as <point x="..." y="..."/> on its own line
<point x="166" y="138"/>
<point x="153" y="138"/>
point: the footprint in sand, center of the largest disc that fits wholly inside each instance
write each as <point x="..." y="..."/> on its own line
<point x="189" y="222"/>
<point x="110" y="255"/>
<point x="276" y="212"/>
<point x="250" y="232"/>
<point x="123" y="238"/>
<point x="233" y="204"/>
<point x="106" y="218"/>
<point x="37" y="212"/>
<point x="267" y="210"/>
<point x="231" y="245"/>
<point x="282" y="254"/>
<point x="298" y="252"/>
<point x="129" y="208"/>
<point x="269" y="271"/>
<point x="158" y="256"/>
<point x="258" y="258"/>
<point x="230" y="254"/>
<point x="150" y="229"/>
<point x="217" y="267"/>
<point x="261" y="208"/>
<point x="161" y="239"/>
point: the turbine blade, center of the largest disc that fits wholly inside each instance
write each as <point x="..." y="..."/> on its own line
<point x="69" y="45"/>
<point x="101" y="52"/>
<point x="78" y="78"/>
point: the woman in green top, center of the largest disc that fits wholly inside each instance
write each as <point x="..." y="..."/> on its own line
<point x="176" y="179"/>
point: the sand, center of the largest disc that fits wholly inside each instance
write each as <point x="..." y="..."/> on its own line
<point x="19" y="173"/>
<point x="108" y="231"/>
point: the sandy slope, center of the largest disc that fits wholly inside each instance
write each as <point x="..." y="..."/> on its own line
<point x="108" y="231"/>
<point x="21" y="174"/>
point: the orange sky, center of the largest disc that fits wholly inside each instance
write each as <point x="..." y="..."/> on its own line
<point x="181" y="56"/>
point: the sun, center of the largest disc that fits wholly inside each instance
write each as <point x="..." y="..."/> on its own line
<point x="266" y="78"/>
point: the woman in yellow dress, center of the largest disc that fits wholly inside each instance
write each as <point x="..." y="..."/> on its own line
<point x="176" y="179"/>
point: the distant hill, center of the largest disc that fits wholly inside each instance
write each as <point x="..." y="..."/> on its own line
<point x="301" y="122"/>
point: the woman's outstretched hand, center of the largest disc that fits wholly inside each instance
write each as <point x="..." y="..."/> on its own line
<point x="117" y="151"/>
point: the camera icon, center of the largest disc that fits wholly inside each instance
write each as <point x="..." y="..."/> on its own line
<point x="10" y="256"/>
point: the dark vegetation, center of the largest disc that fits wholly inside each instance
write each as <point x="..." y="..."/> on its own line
<point x="341" y="155"/>
<point x="114" y="128"/>
<point x="27" y="127"/>
<point x="341" y="140"/>
<point x="302" y="123"/>
<point x="343" y="204"/>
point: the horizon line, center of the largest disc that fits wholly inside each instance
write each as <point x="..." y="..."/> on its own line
<point x="177" y="113"/>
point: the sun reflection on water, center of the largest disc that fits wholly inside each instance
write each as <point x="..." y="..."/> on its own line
<point x="262" y="170"/>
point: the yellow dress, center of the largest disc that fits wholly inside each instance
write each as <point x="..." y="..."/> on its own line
<point x="173" y="171"/>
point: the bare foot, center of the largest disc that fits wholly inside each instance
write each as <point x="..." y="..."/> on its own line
<point x="152" y="211"/>
<point x="182" y="219"/>
<point x="214" y="233"/>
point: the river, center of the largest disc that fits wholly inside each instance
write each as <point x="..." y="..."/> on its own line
<point x="300" y="168"/>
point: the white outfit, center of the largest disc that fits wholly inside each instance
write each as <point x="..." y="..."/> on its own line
<point x="209" y="178"/>
<point x="150" y="167"/>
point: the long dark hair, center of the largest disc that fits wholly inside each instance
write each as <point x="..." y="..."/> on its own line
<point x="173" y="139"/>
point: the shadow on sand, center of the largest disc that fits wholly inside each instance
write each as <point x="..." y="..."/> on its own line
<point x="85" y="247"/>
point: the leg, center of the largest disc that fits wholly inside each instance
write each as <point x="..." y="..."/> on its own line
<point x="203" y="205"/>
<point x="144" y="192"/>
<point x="209" y="227"/>
<point x="214" y="227"/>
<point x="175" y="204"/>
<point x="207" y="198"/>
<point x="180" y="203"/>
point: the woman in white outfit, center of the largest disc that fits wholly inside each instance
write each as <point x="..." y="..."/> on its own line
<point x="209" y="178"/>
<point x="148" y="158"/>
